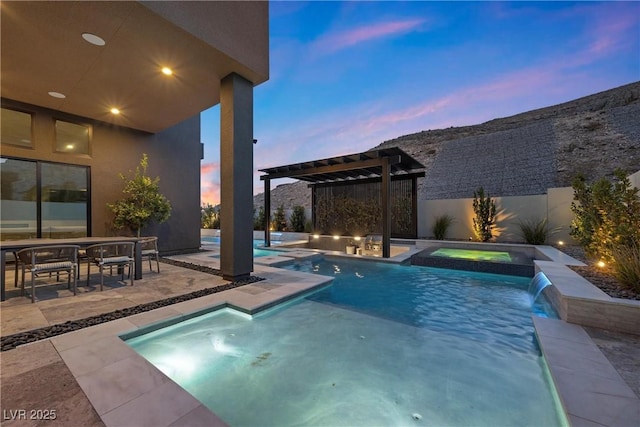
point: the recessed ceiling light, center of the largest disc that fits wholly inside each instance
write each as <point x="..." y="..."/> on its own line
<point x="57" y="95"/>
<point x="167" y="71"/>
<point x="115" y="111"/>
<point x="93" y="39"/>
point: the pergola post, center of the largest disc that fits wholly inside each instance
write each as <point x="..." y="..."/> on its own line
<point x="236" y="173"/>
<point x="386" y="208"/>
<point x="267" y="211"/>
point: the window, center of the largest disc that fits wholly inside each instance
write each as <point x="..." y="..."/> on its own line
<point x="41" y="199"/>
<point x="72" y="137"/>
<point x="16" y="128"/>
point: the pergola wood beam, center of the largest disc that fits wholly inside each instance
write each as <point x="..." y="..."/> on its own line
<point x="333" y="168"/>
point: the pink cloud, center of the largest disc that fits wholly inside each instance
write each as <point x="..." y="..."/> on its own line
<point x="333" y="42"/>
<point x="210" y="196"/>
<point x="208" y="168"/>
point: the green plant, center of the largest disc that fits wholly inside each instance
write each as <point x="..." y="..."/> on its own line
<point x="210" y="216"/>
<point x="308" y="226"/>
<point x="279" y="222"/>
<point x="297" y="219"/>
<point x="258" y="219"/>
<point x="606" y="215"/>
<point x="143" y="202"/>
<point x="485" y="215"/>
<point x="441" y="225"/>
<point x="626" y="265"/>
<point x="534" y="231"/>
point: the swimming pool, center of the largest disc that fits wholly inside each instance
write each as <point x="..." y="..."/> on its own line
<point x="385" y="345"/>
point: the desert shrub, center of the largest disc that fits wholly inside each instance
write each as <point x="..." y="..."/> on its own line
<point x="279" y="222"/>
<point x="258" y="219"/>
<point x="308" y="226"/>
<point x="626" y="265"/>
<point x="297" y="219"/>
<point x="606" y="215"/>
<point x="441" y="225"/>
<point x="534" y="231"/>
<point x="210" y="216"/>
<point x="485" y="215"/>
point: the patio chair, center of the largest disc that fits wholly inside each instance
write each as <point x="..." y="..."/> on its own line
<point x="49" y="259"/>
<point x="116" y="254"/>
<point x="149" y="247"/>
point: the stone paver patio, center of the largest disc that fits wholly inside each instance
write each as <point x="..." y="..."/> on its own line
<point x="91" y="378"/>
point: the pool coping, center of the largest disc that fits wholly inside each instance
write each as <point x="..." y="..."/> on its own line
<point x="125" y="389"/>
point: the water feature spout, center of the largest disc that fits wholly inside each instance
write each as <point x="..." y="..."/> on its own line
<point x="537" y="284"/>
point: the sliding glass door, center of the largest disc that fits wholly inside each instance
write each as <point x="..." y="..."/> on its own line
<point x="42" y="199"/>
<point x="18" y="195"/>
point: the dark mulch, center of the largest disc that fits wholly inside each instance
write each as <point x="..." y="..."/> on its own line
<point x="602" y="278"/>
<point x="12" y="341"/>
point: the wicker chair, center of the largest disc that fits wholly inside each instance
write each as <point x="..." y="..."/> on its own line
<point x="149" y="247"/>
<point x="117" y="254"/>
<point x="49" y="259"/>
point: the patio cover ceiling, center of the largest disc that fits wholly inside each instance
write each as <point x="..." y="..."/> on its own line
<point x="365" y="165"/>
<point x="43" y="50"/>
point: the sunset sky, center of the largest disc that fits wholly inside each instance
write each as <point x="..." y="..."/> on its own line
<point x="346" y="76"/>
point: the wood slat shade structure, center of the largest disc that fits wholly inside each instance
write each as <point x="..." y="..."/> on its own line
<point x="381" y="164"/>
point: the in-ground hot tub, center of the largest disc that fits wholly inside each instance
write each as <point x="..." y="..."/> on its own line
<point x="480" y="260"/>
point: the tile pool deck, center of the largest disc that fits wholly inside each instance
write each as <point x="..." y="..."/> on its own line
<point x="123" y="389"/>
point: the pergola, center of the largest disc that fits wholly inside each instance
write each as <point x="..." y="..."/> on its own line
<point x="381" y="165"/>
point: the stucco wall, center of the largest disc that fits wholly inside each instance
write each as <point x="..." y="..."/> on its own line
<point x="555" y="206"/>
<point x="174" y="156"/>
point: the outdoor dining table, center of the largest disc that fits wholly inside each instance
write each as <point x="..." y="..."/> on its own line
<point x="16" y="245"/>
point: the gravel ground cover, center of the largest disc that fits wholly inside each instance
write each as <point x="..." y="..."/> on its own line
<point x="602" y="278"/>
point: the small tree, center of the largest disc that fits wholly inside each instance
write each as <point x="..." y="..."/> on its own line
<point x="485" y="219"/>
<point x="279" y="219"/>
<point x="297" y="219"/>
<point x="143" y="202"/>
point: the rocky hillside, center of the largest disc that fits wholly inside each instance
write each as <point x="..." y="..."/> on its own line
<point x="518" y="155"/>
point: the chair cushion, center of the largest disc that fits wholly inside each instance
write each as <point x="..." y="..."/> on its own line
<point x="52" y="266"/>
<point x="115" y="260"/>
<point x="149" y="252"/>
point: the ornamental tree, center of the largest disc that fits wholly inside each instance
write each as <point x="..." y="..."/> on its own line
<point x="143" y="202"/>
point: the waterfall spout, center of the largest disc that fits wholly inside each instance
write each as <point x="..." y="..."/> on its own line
<point x="537" y="284"/>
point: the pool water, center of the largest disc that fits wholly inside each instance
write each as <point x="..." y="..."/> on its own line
<point x="384" y="345"/>
<point x="473" y="254"/>
<point x="216" y="240"/>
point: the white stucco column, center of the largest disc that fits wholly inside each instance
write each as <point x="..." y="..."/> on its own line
<point x="236" y="177"/>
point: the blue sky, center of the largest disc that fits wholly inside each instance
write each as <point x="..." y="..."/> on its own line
<point x="346" y="76"/>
